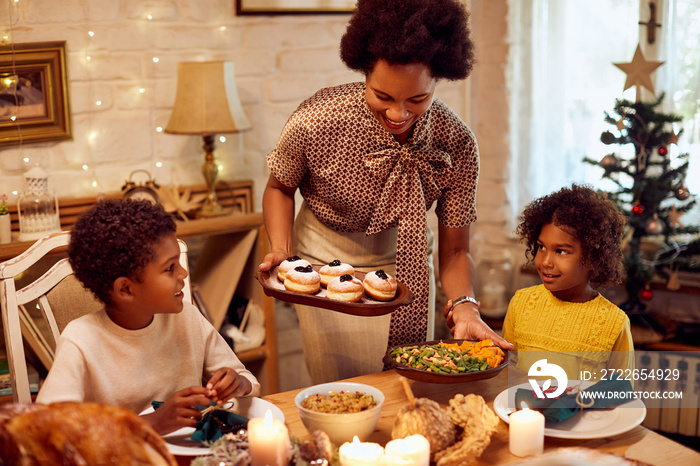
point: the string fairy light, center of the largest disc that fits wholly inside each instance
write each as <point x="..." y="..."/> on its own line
<point x="143" y="90"/>
<point x="12" y="80"/>
<point x="91" y="134"/>
<point x="222" y="32"/>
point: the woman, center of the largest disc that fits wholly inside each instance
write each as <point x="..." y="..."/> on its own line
<point x="369" y="160"/>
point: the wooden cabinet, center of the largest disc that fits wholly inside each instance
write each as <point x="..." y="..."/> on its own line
<point x="225" y="266"/>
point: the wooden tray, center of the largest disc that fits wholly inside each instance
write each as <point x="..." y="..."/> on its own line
<point x="422" y="375"/>
<point x="366" y="306"/>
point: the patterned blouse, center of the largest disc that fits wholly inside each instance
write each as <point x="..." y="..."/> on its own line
<point x="354" y="176"/>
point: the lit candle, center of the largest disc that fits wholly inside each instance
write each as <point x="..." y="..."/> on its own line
<point x="361" y="453"/>
<point x="526" y="432"/>
<point x="413" y="450"/>
<point x="269" y="441"/>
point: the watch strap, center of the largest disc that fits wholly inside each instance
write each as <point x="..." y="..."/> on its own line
<point x="464" y="299"/>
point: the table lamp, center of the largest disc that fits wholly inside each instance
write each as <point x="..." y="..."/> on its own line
<point x="206" y="104"/>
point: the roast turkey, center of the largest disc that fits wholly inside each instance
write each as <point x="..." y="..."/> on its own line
<point x="78" y="434"/>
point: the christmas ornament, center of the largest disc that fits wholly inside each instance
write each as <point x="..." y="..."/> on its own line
<point x="608" y="161"/>
<point x="663" y="150"/>
<point x="637" y="208"/>
<point x="639" y="72"/>
<point x="646" y="294"/>
<point x="674" y="217"/>
<point x="642" y="159"/>
<point x="673" y="138"/>
<point x="607" y="138"/>
<point x="654" y="226"/>
<point x="674" y="284"/>
<point x="682" y="193"/>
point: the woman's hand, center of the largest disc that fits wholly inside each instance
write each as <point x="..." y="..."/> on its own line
<point x="273" y="258"/>
<point x="226" y="384"/>
<point x="178" y="410"/>
<point x="465" y="324"/>
<point x="456" y="273"/>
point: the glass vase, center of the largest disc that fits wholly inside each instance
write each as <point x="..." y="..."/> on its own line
<point x="37" y="207"/>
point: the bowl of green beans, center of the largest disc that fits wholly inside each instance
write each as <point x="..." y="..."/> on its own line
<point x="432" y="362"/>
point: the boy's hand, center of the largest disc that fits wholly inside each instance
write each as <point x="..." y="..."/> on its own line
<point x="226" y="384"/>
<point x="178" y="410"/>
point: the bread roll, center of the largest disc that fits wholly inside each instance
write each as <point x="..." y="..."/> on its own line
<point x="345" y="288"/>
<point x="380" y="286"/>
<point x="303" y="280"/>
<point x="334" y="269"/>
<point x="288" y="264"/>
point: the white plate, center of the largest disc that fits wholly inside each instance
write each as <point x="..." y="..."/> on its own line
<point x="179" y="442"/>
<point x="588" y="424"/>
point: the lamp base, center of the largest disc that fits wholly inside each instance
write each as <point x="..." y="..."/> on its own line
<point x="210" y="171"/>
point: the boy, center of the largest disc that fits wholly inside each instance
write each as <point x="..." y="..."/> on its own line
<point x="146" y="344"/>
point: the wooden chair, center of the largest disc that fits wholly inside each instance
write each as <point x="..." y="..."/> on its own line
<point x="59" y="297"/>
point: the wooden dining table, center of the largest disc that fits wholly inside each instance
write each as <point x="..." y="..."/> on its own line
<point x="639" y="443"/>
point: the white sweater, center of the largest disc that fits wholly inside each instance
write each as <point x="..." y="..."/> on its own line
<point x="99" y="361"/>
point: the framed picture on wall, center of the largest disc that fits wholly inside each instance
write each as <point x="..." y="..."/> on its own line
<point x="289" y="7"/>
<point x="34" y="104"/>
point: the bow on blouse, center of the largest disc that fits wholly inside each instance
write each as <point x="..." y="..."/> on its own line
<point x="408" y="171"/>
<point x="409" y="174"/>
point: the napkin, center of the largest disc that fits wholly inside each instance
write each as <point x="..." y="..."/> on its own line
<point x="214" y="424"/>
<point x="615" y="392"/>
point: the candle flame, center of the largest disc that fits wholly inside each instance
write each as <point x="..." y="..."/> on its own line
<point x="355" y="440"/>
<point x="268" y="419"/>
<point x="523" y="405"/>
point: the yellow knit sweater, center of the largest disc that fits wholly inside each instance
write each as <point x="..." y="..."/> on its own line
<point x="590" y="331"/>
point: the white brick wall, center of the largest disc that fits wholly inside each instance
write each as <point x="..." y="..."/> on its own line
<point x="279" y="61"/>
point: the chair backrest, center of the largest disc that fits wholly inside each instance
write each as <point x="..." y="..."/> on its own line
<point x="56" y="295"/>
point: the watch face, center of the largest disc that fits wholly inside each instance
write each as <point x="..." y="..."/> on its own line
<point x="142" y="194"/>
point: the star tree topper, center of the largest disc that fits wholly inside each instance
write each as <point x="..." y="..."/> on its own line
<point x="639" y="72"/>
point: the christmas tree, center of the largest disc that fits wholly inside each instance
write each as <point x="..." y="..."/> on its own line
<point x="651" y="191"/>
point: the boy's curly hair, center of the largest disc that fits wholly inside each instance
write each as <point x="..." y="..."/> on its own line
<point x="431" y="32"/>
<point x="587" y="216"/>
<point x="113" y="239"/>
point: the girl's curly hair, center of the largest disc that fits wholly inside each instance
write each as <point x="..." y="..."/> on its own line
<point x="590" y="218"/>
<point x="113" y="239"/>
<point x="431" y="32"/>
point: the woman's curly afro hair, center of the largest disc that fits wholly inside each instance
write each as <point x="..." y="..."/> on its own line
<point x="587" y="216"/>
<point x="432" y="32"/>
<point x="113" y="239"/>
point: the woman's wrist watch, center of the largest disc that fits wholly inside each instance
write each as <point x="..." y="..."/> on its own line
<point x="462" y="300"/>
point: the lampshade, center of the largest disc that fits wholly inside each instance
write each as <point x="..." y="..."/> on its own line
<point x="207" y="100"/>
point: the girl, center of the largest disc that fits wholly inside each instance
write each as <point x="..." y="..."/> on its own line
<point x="573" y="236"/>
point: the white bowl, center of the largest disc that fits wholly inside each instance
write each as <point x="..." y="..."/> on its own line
<point x="341" y="428"/>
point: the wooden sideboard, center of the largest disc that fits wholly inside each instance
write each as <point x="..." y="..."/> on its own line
<point x="224" y="254"/>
